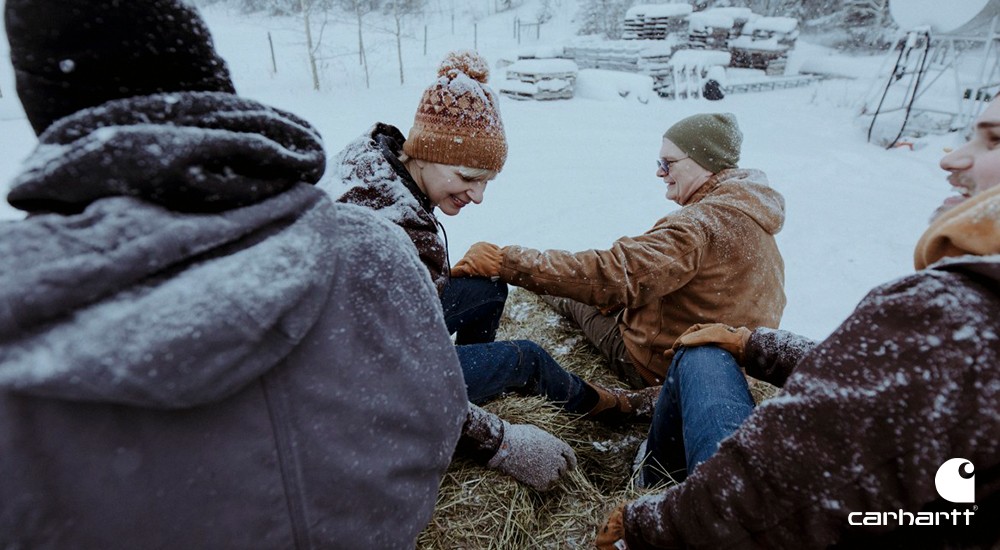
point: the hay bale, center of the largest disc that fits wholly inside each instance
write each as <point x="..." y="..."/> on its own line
<point x="478" y="508"/>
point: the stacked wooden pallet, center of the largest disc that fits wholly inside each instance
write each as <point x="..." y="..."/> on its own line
<point x="764" y="44"/>
<point x="655" y="21"/>
<point x="634" y="56"/>
<point x="709" y="31"/>
<point x="540" y="79"/>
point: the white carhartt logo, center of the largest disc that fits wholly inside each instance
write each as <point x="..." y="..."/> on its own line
<point x="956" y="481"/>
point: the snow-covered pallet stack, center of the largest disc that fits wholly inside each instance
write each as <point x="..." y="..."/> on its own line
<point x="713" y="28"/>
<point x="709" y="31"/>
<point x="540" y="79"/>
<point x="613" y="56"/>
<point x="632" y="56"/>
<point x="687" y="72"/>
<point x="655" y="21"/>
<point x="764" y="44"/>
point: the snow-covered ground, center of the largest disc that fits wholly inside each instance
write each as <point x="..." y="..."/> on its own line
<point x="581" y="172"/>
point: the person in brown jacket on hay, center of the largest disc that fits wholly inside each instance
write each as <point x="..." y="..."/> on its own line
<point x="715" y="259"/>
<point x="886" y="434"/>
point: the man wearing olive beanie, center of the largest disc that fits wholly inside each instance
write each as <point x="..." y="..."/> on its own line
<point x="713" y="140"/>
<point x="716" y="258"/>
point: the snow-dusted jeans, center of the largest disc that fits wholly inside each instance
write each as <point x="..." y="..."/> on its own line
<point x="472" y="308"/>
<point x="518" y="366"/>
<point x="704" y="399"/>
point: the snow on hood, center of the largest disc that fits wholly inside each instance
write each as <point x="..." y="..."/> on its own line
<point x="131" y="303"/>
<point x="188" y="257"/>
<point x="748" y="191"/>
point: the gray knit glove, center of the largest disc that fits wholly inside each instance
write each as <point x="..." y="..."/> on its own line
<point x="532" y="456"/>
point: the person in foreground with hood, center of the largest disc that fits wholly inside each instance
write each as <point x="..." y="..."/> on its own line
<point x="198" y="348"/>
<point x="715" y="259"/>
<point x="886" y="434"/>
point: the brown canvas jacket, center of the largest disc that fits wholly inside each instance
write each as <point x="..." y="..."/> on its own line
<point x="714" y="260"/>
<point x="866" y="418"/>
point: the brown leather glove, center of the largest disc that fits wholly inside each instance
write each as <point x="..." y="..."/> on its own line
<point x="482" y="260"/>
<point x="733" y="340"/>
<point x="612" y="535"/>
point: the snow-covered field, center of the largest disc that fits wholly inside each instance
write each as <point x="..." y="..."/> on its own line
<point x="580" y="172"/>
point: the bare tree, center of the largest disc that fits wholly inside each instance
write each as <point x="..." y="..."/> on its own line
<point x="306" y="8"/>
<point x="274" y="7"/>
<point x="400" y="9"/>
<point x="361" y="8"/>
<point x="604" y="17"/>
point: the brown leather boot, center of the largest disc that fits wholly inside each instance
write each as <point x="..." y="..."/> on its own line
<point x="618" y="405"/>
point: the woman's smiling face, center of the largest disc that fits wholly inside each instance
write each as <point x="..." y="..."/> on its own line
<point x="447" y="187"/>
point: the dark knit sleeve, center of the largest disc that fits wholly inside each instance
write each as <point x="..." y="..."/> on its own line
<point x="771" y="355"/>
<point x="904" y="384"/>
<point x="482" y="434"/>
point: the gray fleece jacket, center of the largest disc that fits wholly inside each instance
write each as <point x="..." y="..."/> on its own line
<point x="202" y="351"/>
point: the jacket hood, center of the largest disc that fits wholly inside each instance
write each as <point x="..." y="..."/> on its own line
<point x="189" y="151"/>
<point x="134" y="302"/>
<point x="748" y="191"/>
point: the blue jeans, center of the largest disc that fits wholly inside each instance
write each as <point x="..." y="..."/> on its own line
<point x="704" y="399"/>
<point x="472" y="308"/>
<point x="518" y="366"/>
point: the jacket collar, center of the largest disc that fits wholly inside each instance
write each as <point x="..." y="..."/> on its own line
<point x="706" y="189"/>
<point x="972" y="227"/>
<point x="390" y="141"/>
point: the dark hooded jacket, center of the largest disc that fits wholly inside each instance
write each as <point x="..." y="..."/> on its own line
<point x="200" y="350"/>
<point x="865" y="420"/>
<point x="368" y="173"/>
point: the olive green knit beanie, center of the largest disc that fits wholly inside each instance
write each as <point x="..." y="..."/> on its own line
<point x="711" y="140"/>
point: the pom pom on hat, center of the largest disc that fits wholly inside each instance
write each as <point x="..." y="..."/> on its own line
<point x="467" y="62"/>
<point x="458" y="121"/>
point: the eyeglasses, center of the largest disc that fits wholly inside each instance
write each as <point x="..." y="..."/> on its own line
<point x="664" y="164"/>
